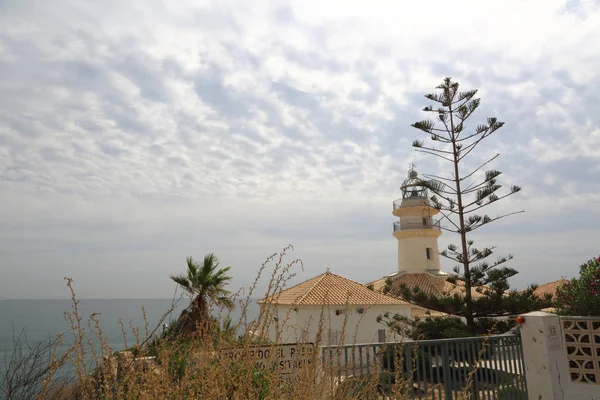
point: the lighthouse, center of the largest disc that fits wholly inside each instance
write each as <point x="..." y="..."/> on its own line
<point x="416" y="230"/>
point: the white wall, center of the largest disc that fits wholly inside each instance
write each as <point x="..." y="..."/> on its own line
<point x="412" y="256"/>
<point x="359" y="327"/>
<point x="282" y="323"/>
<point x="413" y="240"/>
<point x="546" y="364"/>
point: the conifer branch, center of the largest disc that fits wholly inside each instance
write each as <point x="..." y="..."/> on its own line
<point x="447" y="219"/>
<point x="475" y="227"/>
<point x="436" y="177"/>
<point x="489" y="202"/>
<point x="437" y="155"/>
<point x="478" y="168"/>
<point x="420" y="146"/>
<point x="490" y="179"/>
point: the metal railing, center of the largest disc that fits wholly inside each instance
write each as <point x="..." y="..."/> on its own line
<point x="478" y="368"/>
<point x="399" y="226"/>
<point x="398" y="202"/>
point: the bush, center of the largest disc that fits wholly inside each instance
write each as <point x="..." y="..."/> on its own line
<point x="446" y="327"/>
<point x="510" y="393"/>
<point x="420" y="362"/>
<point x="581" y="296"/>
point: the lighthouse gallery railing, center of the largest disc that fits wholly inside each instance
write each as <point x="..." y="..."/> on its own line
<point x="399" y="226"/>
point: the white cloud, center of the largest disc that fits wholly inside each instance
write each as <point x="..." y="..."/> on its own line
<point x="156" y="131"/>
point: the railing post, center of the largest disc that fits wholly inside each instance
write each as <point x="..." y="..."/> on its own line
<point x="447" y="374"/>
<point x="408" y="374"/>
<point x="545" y="359"/>
<point x="471" y="371"/>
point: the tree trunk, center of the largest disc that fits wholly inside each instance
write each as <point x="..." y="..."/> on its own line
<point x="195" y="318"/>
<point x="202" y="322"/>
<point x="463" y="234"/>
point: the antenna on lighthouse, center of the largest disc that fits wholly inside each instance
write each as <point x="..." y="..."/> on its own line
<point x="412" y="172"/>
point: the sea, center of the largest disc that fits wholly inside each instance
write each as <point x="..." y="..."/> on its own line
<point x="39" y="320"/>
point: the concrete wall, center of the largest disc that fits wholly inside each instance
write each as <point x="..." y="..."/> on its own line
<point x="339" y="324"/>
<point x="412" y="256"/>
<point x="546" y="363"/>
<point x="281" y="323"/>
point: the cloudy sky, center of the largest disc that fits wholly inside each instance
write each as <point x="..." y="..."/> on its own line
<point x="134" y="134"/>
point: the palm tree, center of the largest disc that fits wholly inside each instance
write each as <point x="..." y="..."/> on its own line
<point x="206" y="283"/>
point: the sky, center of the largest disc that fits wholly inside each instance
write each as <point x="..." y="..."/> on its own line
<point x="134" y="134"/>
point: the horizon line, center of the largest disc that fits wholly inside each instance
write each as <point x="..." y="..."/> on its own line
<point x="95" y="298"/>
<point x="87" y="298"/>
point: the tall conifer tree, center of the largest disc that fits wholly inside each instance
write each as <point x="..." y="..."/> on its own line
<point x="462" y="196"/>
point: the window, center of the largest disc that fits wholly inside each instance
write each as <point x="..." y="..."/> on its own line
<point x="381" y="335"/>
<point x="428" y="252"/>
<point x="424" y="221"/>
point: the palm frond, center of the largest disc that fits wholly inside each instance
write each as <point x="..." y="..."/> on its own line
<point x="210" y="263"/>
<point x="192" y="268"/>
<point x="183" y="281"/>
<point x="225" y="301"/>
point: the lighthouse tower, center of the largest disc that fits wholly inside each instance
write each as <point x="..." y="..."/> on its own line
<point x="416" y="231"/>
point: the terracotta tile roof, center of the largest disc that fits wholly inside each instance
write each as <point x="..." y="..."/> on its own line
<point x="427" y="283"/>
<point x="378" y="285"/>
<point x="424" y="313"/>
<point x="331" y="289"/>
<point x="549" y="288"/>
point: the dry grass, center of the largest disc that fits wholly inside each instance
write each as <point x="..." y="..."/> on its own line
<point x="222" y="366"/>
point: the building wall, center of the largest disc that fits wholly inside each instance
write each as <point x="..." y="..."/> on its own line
<point x="303" y="325"/>
<point x="415" y="221"/>
<point x="418" y="202"/>
<point x="282" y="323"/>
<point x="412" y="256"/>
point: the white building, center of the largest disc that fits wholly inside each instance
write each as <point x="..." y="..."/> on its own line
<point x="344" y="311"/>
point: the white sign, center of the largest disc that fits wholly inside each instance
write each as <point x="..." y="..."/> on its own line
<point x="554" y="341"/>
<point x="286" y="357"/>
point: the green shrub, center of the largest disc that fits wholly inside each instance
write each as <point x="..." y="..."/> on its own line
<point x="260" y="382"/>
<point x="581" y="296"/>
<point x="509" y="393"/>
<point x="420" y="362"/>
